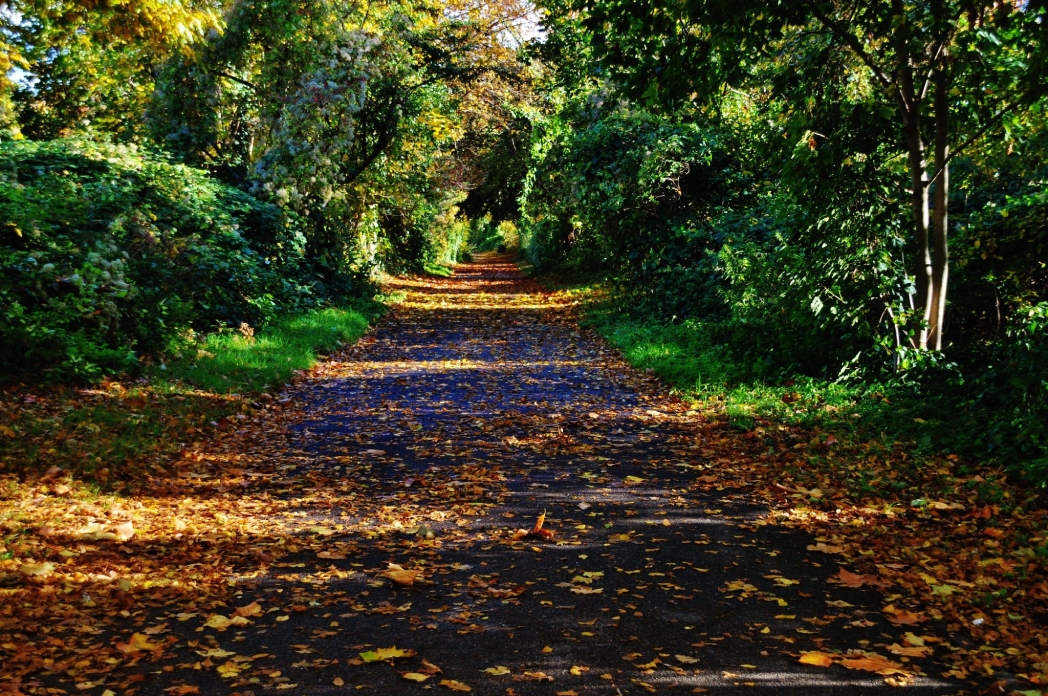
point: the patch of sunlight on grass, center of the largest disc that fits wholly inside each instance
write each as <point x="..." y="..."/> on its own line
<point x="229" y="361"/>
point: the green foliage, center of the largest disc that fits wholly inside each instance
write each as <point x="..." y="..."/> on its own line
<point x="485" y="235"/>
<point x="108" y="252"/>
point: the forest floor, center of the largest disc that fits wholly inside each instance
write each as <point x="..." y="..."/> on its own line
<point x="481" y="496"/>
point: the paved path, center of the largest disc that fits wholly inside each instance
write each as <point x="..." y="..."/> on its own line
<point x="475" y="407"/>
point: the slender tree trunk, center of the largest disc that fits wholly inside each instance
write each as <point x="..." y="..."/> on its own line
<point x="919" y="205"/>
<point x="940" y="213"/>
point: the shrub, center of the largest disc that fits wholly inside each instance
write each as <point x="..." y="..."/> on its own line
<point x="107" y="252"/>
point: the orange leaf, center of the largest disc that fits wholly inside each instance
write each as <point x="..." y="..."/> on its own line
<point x="253" y="609"/>
<point x="455" y="685"/>
<point x="818" y="659"/>
<point x="401" y="576"/>
<point x="873" y="663"/>
<point x="905" y="618"/>
<point x="849" y="579"/>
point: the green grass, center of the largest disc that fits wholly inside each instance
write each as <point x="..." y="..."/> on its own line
<point x="230" y="362"/>
<point x="685" y="357"/>
<point x="119" y="434"/>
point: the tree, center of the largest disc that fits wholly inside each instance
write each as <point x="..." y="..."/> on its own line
<point x="952" y="72"/>
<point x="90" y="65"/>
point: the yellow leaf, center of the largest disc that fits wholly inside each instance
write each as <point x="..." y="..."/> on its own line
<point x="385" y="654"/>
<point x="218" y="622"/>
<point x="587" y="590"/>
<point x="337" y="681"/>
<point x="414" y="676"/>
<point x="686" y="659"/>
<point x="497" y="670"/>
<point x="139" y="642"/>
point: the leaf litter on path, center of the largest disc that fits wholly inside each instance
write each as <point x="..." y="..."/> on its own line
<point x="290" y="552"/>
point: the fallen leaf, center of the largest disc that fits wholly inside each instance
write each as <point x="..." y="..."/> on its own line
<point x="414" y="676"/>
<point x="37" y="570"/>
<point x="818" y="659"/>
<point x="849" y="579"/>
<point x="455" y="685"/>
<point x="429" y="668"/>
<point x="139" y="643"/>
<point x="123" y="532"/>
<point x="401" y="576"/>
<point x="497" y="670"/>
<point x="538" y="676"/>
<point x="253" y="609"/>
<point x="873" y="663"/>
<point x="903" y="617"/>
<point x="385" y="654"/>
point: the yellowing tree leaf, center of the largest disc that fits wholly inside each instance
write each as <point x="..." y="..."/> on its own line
<point x="686" y="659"/>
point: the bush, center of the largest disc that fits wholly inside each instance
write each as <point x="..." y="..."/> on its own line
<point x="107" y="252"/>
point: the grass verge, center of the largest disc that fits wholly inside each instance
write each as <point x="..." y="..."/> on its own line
<point x="870" y="440"/>
<point x="121" y="432"/>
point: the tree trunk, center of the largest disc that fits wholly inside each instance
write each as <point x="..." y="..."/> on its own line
<point x="923" y="272"/>
<point x="940" y="214"/>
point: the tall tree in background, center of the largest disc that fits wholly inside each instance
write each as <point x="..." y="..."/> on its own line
<point x="952" y="72"/>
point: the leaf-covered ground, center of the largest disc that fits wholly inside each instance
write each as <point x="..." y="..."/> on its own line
<point x="481" y="496"/>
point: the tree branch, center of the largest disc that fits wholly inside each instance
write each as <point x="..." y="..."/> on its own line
<point x="852" y="43"/>
<point x="234" y="78"/>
